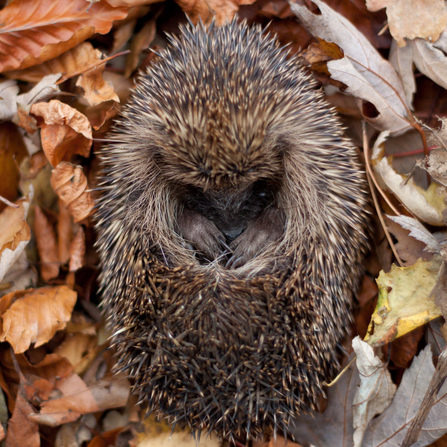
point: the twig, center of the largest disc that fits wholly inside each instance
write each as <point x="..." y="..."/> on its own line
<point x="371" y="173"/>
<point x="2" y="199"/>
<point x="374" y="196"/>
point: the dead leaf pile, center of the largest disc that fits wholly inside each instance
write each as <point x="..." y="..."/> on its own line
<point x="66" y="69"/>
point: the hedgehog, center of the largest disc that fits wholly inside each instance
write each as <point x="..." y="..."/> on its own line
<point x="232" y="224"/>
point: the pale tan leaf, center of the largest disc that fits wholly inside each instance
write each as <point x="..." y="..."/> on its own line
<point x="36" y="316"/>
<point x="46" y="245"/>
<point x="65" y="131"/>
<point x="409" y="19"/>
<point x="427" y="205"/>
<point x="34" y="31"/>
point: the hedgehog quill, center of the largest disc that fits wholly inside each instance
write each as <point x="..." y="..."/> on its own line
<point x="232" y="226"/>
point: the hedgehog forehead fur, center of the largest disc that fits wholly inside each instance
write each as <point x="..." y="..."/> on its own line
<point x="226" y="137"/>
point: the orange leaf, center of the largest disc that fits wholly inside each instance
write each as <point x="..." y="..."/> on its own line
<point x="36" y="316"/>
<point x="77" y="251"/>
<point x="79" y="399"/>
<point x="21" y="430"/>
<point x="34" y="31"/>
<point x="12" y="152"/>
<point x="15" y="234"/>
<point x="70" y="184"/>
<point x="65" y="131"/>
<point x="46" y="246"/>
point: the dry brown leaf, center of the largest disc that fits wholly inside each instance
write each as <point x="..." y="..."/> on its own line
<point x="409" y="19"/>
<point x="46" y="245"/>
<point x="34" y="31"/>
<point x="12" y="152"/>
<point x="70" y="184"/>
<point x="64" y="232"/>
<point x="77" y="251"/>
<point x="140" y="42"/>
<point x="76" y="348"/>
<point x="118" y="3"/>
<point x="207" y="10"/>
<point x="79" y="399"/>
<point x="36" y="316"/>
<point x="22" y="432"/>
<point x="73" y="62"/>
<point x="95" y="89"/>
<point x="15" y="234"/>
<point x="123" y="34"/>
<point x="65" y="131"/>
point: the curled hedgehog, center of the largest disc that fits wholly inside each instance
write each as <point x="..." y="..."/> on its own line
<point x="232" y="227"/>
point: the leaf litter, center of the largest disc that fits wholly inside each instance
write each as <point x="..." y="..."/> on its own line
<point x="55" y="370"/>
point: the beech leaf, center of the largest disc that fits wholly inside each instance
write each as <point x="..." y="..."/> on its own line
<point x="35" y="316"/>
<point x="65" y="131"/>
<point x="34" y="31"/>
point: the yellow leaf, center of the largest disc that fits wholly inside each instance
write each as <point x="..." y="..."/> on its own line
<point x="404" y="301"/>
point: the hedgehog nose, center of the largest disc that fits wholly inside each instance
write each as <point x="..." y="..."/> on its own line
<point x="233" y="233"/>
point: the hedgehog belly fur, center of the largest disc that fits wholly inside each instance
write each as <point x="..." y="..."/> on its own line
<point x="232" y="226"/>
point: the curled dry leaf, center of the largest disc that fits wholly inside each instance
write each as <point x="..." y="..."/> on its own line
<point x="46" y="245"/>
<point x="15" y="234"/>
<point x="363" y="70"/>
<point x="35" y="316"/>
<point x="95" y="88"/>
<point x="70" y="184"/>
<point x="65" y="131"/>
<point x="409" y="19"/>
<point x="34" y="31"/>
<point x="427" y="205"/>
<point x="404" y="302"/>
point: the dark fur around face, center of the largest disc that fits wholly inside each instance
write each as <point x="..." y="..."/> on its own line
<point x="231" y="233"/>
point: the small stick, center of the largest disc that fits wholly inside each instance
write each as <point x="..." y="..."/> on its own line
<point x="374" y="196"/>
